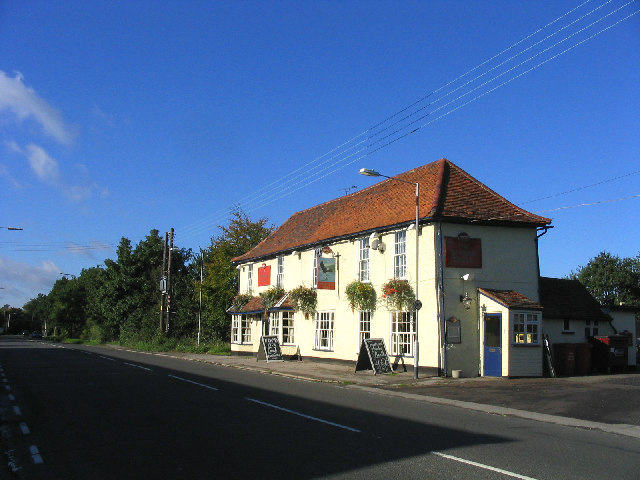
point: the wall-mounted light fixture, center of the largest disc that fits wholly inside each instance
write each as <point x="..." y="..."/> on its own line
<point x="466" y="299"/>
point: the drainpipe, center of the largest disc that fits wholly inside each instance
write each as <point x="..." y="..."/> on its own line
<point x="440" y="294"/>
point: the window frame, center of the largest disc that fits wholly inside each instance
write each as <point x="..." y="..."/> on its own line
<point x="250" y="278"/>
<point x="324" y="322"/>
<point x="280" y="273"/>
<point x="400" y="254"/>
<point x="241" y="329"/>
<point x="364" y="260"/>
<point x="402" y="338"/>
<point x="364" y="326"/>
<point x="290" y="337"/>
<point x="521" y="333"/>
<point x="317" y="253"/>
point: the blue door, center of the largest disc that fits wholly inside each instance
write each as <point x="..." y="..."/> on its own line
<point x="493" y="345"/>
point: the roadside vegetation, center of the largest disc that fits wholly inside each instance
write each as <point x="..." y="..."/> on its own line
<point x="120" y="301"/>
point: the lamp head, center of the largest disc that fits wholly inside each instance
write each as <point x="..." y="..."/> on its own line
<point x="368" y="172"/>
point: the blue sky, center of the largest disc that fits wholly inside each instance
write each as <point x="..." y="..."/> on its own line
<point x="120" y="117"/>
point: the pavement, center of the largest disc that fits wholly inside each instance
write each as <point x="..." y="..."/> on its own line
<point x="608" y="403"/>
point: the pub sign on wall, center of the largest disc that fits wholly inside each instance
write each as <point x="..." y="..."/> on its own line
<point x="463" y="251"/>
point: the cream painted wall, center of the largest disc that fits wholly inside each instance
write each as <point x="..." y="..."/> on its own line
<point x="509" y="262"/>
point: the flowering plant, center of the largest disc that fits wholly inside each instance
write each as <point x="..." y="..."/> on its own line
<point x="304" y="300"/>
<point x="398" y="294"/>
<point x="361" y="296"/>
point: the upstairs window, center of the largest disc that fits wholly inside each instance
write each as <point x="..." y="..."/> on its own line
<point x="317" y="253"/>
<point x="280" y="275"/>
<point x="400" y="255"/>
<point x="250" y="278"/>
<point x="363" y="263"/>
<point x="591" y="329"/>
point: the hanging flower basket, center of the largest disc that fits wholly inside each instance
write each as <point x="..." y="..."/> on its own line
<point x="304" y="300"/>
<point x="361" y="296"/>
<point x="240" y="301"/>
<point x="398" y="294"/>
<point x="270" y="297"/>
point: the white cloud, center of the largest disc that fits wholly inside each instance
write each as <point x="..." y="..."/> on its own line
<point x="25" y="281"/>
<point x="25" y="103"/>
<point x="44" y="166"/>
<point x="47" y="169"/>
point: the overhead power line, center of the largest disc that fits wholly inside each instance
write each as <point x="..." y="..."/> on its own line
<point x="377" y="137"/>
<point x="589" y="204"/>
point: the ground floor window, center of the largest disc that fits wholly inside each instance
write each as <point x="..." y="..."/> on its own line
<point x="288" y="331"/>
<point x="525" y="328"/>
<point x="402" y="334"/>
<point x="324" y="331"/>
<point x="281" y="326"/>
<point x="241" y="329"/>
<point x="364" y="326"/>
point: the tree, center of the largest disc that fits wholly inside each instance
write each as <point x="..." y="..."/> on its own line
<point x="221" y="282"/>
<point x="611" y="280"/>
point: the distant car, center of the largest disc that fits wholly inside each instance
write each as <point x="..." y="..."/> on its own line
<point x="26" y="333"/>
<point x="36" y="334"/>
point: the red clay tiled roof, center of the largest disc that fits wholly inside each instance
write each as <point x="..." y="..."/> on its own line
<point x="565" y="299"/>
<point x="446" y="193"/>
<point x="511" y="299"/>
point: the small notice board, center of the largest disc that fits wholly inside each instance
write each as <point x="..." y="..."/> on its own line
<point x="269" y="349"/>
<point x="373" y="356"/>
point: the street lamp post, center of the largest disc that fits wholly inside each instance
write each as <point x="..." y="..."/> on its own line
<point x="417" y="304"/>
<point x="12" y="228"/>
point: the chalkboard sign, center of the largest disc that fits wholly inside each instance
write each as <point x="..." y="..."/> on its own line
<point x="269" y="349"/>
<point x="373" y="356"/>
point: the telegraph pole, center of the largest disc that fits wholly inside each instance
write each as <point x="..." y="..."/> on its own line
<point x="169" y="280"/>
<point x="163" y="281"/>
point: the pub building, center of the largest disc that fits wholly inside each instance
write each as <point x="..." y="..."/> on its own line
<point x="357" y="267"/>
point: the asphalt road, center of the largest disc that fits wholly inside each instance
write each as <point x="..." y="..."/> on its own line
<point x="98" y="413"/>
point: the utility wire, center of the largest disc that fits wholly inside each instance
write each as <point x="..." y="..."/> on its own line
<point x="260" y="200"/>
<point x="589" y="204"/>
<point x="304" y="168"/>
<point x="581" y="188"/>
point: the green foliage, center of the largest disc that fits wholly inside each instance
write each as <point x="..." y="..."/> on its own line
<point x="611" y="280"/>
<point x="271" y="296"/>
<point x="361" y="296"/>
<point x="398" y="294"/>
<point x="220" y="284"/>
<point x="304" y="300"/>
<point x="240" y="301"/>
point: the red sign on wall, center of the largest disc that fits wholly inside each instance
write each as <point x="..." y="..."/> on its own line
<point x="264" y="276"/>
<point x="463" y="252"/>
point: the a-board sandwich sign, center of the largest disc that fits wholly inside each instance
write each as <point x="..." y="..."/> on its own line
<point x="373" y="356"/>
<point x="269" y="349"/>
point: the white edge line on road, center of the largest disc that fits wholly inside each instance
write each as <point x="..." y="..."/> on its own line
<point x="137" y="366"/>
<point x="486" y="467"/>
<point x="35" y="454"/>
<point x="351" y="429"/>
<point x="107" y="358"/>
<point x="195" y="383"/>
